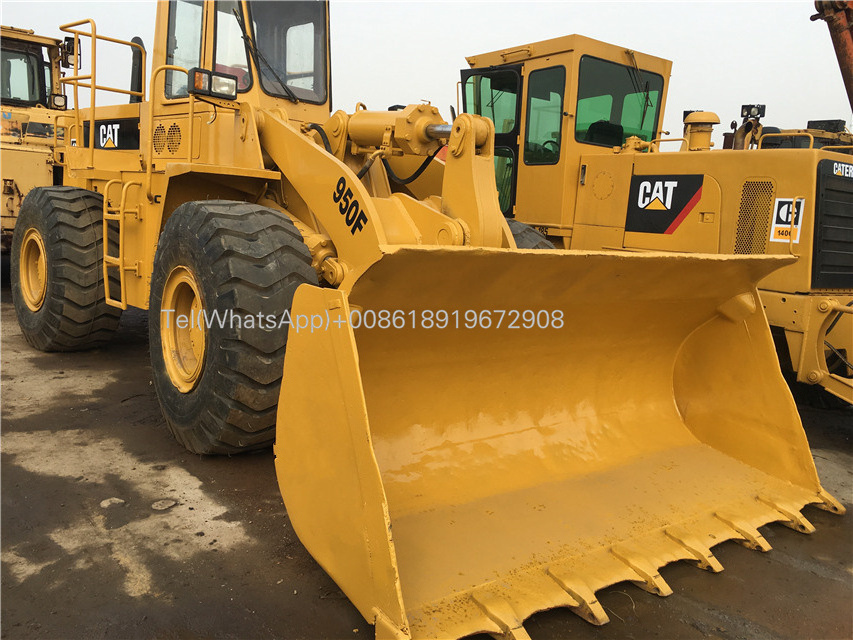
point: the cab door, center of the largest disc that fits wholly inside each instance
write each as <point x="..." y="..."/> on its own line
<point x="493" y="93"/>
<point x="542" y="172"/>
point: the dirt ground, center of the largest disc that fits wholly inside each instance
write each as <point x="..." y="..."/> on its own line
<point x="91" y="547"/>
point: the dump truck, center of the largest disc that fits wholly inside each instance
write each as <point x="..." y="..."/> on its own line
<point x="466" y="432"/>
<point x="579" y="156"/>
<point x="31" y="98"/>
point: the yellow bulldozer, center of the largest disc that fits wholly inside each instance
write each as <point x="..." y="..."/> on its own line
<point x="466" y="432"/>
<point x="31" y="98"/>
<point x="578" y="156"/>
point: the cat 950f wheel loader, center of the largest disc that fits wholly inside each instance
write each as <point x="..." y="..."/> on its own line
<point x="465" y="432"/>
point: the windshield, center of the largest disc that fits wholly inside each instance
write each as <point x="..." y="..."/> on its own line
<point x="23" y="78"/>
<point x="291" y="42"/>
<point x="615" y="102"/>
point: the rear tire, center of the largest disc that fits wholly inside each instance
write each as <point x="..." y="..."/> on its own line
<point x="57" y="270"/>
<point x="219" y="389"/>
<point x="526" y="237"/>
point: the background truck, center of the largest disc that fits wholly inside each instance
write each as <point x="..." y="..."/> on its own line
<point x="465" y="432"/>
<point x="31" y="98"/>
<point x="577" y="155"/>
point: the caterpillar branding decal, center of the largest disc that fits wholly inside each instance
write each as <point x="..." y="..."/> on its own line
<point x="659" y="204"/>
<point x="114" y="134"/>
<point x="842" y="169"/>
<point x="783" y="209"/>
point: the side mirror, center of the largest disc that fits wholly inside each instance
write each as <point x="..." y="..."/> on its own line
<point x="68" y="56"/>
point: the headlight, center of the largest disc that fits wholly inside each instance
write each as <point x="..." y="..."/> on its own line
<point x="216" y="85"/>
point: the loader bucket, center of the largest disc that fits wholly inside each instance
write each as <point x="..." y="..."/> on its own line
<point x="458" y="480"/>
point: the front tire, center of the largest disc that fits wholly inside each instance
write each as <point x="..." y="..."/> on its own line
<point x="57" y="270"/>
<point x="218" y="383"/>
<point x="526" y="237"/>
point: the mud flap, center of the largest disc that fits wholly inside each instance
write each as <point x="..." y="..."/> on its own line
<point x="457" y="480"/>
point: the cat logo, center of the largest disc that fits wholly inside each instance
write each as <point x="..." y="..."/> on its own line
<point x="842" y="170"/>
<point x="657" y="195"/>
<point x="660" y="204"/>
<point x="782" y="213"/>
<point x="108" y="136"/>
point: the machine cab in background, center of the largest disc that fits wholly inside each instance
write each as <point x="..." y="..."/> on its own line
<point x="553" y="101"/>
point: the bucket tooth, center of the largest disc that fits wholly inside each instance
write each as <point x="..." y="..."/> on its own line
<point x="587" y="606"/>
<point x="795" y="520"/>
<point x="387" y="630"/>
<point x="704" y="558"/>
<point x="829" y="503"/>
<point x="502" y="614"/>
<point x="650" y="579"/>
<point x="748" y="535"/>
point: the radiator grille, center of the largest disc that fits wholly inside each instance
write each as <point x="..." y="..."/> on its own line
<point x="753" y="221"/>
<point x="832" y="266"/>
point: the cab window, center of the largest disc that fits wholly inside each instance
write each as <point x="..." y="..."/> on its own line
<point x="230" y="52"/>
<point x="504" y="167"/>
<point x="291" y="44"/>
<point x="23" y="78"/>
<point x="544" y="115"/>
<point x="494" y="96"/>
<point x="615" y="102"/>
<point x="184" y="44"/>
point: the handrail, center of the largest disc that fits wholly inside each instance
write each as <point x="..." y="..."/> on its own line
<point x="793" y="226"/>
<point x="76" y="79"/>
<point x="653" y="144"/>
<point x="67" y="135"/>
<point x="798" y="134"/>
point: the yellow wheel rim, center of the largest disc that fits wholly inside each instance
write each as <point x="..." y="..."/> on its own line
<point x="33" y="270"/>
<point x="182" y="331"/>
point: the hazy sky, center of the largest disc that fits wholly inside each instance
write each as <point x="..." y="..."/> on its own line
<point x="384" y="53"/>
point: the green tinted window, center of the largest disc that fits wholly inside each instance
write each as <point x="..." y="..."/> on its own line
<point x="616" y="101"/>
<point x="495" y="97"/>
<point x="504" y="164"/>
<point x="544" y="115"/>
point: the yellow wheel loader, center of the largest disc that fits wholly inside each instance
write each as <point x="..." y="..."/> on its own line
<point x="31" y="99"/>
<point x="578" y="155"/>
<point x="455" y="442"/>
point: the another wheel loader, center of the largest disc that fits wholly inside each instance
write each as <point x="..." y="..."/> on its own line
<point x="466" y="432"/>
<point x="578" y="156"/>
<point x="31" y="100"/>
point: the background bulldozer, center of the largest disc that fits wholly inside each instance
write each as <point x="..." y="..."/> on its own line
<point x="455" y="442"/>
<point x="578" y="138"/>
<point x="31" y="98"/>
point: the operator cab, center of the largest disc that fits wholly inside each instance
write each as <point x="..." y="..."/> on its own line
<point x="277" y="48"/>
<point x="554" y="100"/>
<point x="26" y="79"/>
